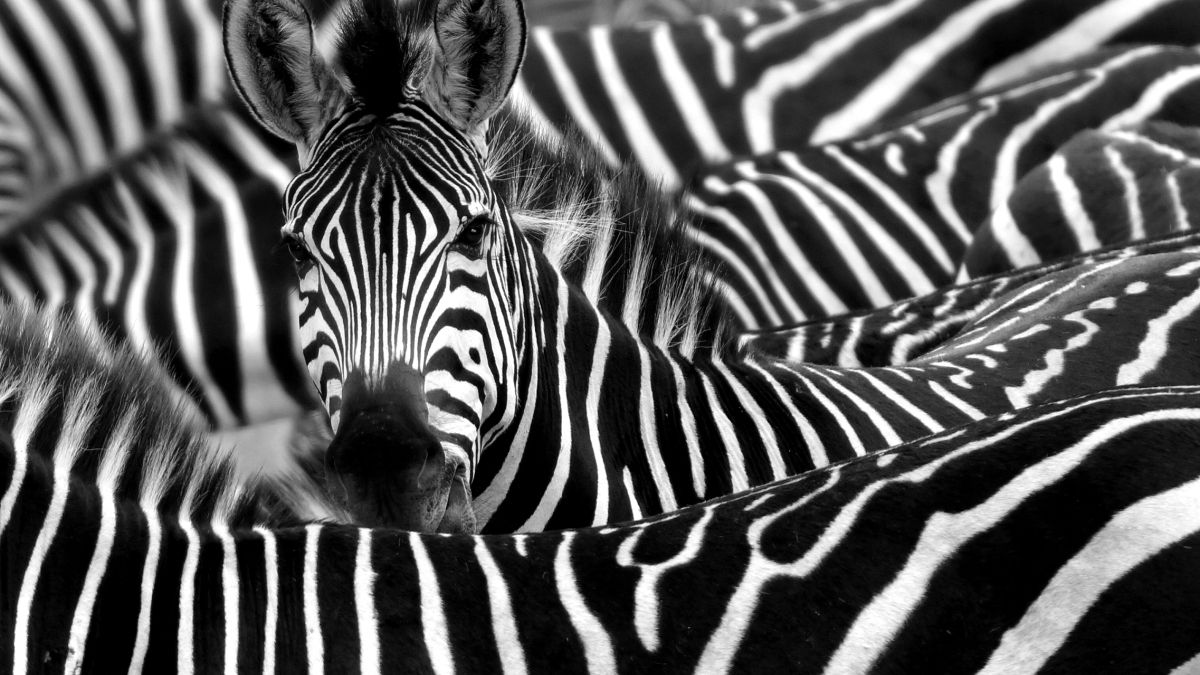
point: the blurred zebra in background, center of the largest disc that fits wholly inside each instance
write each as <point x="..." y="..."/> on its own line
<point x="1105" y="186"/>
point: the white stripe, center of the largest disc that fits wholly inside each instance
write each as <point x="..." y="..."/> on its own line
<point x="646" y="612"/>
<point x="649" y="433"/>
<point x="68" y="89"/>
<point x="111" y="467"/>
<point x="592" y="409"/>
<point x="687" y="421"/>
<point x="433" y="620"/>
<point x="562" y="464"/>
<point x="875" y="100"/>
<point x="778" y="232"/>
<point x="1154" y="346"/>
<point x="728" y="436"/>
<point x="758" y="103"/>
<point x="1128" y="539"/>
<point x="1150" y="103"/>
<point x="69" y="446"/>
<point x="1087" y="31"/>
<point x="1132" y="193"/>
<point x="263" y="397"/>
<point x="141" y="644"/>
<point x="687" y="98"/>
<point x="1037" y="379"/>
<point x="230" y="593"/>
<point x="890" y="437"/>
<point x="938" y="184"/>
<point x="735" y="264"/>
<point x="641" y="137"/>
<point x="364" y="605"/>
<point x="185" y="636"/>
<point x="893" y="252"/>
<point x="597" y="645"/>
<point x="1005" y="175"/>
<point x="271" y="611"/>
<point x="159" y="56"/>
<point x="766" y="431"/>
<point x="917" y="227"/>
<point x="314" y="642"/>
<point x="1070" y="202"/>
<point x="580" y="111"/>
<point x="505" y="631"/>
<point x="945" y="534"/>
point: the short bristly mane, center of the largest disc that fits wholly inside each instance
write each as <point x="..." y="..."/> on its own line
<point x="76" y="400"/>
<point x="613" y="232"/>
<point x="382" y="49"/>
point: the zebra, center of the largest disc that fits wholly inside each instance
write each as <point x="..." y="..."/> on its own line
<point x="1071" y="527"/>
<point x="1103" y="187"/>
<point x="809" y="233"/>
<point x="434" y="329"/>
<point x="896" y="334"/>
<point x="675" y="98"/>
<point x="167" y="251"/>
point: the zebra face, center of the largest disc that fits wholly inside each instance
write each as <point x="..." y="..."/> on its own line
<point x="409" y="268"/>
<point x="404" y="258"/>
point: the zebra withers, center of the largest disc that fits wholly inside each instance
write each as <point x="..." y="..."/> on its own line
<point x="1064" y="535"/>
<point x="450" y="351"/>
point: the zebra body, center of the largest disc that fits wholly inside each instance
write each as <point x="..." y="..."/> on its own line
<point x="898" y="333"/>
<point x="811" y="233"/>
<point x="678" y="97"/>
<point x="435" y="330"/>
<point x="1061" y="536"/>
<point x="1103" y="187"/>
<point x="167" y="252"/>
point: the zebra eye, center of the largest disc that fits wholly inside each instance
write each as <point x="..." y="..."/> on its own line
<point x="471" y="236"/>
<point x="298" y="250"/>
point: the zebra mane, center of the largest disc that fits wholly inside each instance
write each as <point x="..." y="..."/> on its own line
<point x="77" y="402"/>
<point x="612" y="232"/>
<point x="380" y="50"/>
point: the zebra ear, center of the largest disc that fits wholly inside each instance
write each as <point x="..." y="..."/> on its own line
<point x="269" y="51"/>
<point x="478" y="52"/>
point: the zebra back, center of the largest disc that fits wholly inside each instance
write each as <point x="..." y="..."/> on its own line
<point x="1062" y="534"/>
<point x="1104" y="187"/>
<point x="898" y="333"/>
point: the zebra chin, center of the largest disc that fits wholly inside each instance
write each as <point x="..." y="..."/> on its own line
<point x="374" y="501"/>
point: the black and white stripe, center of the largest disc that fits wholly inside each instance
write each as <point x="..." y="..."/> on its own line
<point x="677" y="97"/>
<point x="894" y="335"/>
<point x="815" y="232"/>
<point x="1103" y="187"/>
<point x="1065" y="535"/>
<point x="167" y="251"/>
<point x="430" y="318"/>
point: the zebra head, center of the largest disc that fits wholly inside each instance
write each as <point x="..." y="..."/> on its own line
<point x="407" y="260"/>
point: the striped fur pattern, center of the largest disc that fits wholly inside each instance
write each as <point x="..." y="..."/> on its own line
<point x="84" y="82"/>
<point x="87" y="82"/>
<point x="894" y="335"/>
<point x="562" y="415"/>
<point x="166" y="250"/>
<point x="95" y="444"/>
<point x="677" y="97"/>
<point x="1103" y="187"/>
<point x="1065" y="536"/>
<point x="816" y="232"/>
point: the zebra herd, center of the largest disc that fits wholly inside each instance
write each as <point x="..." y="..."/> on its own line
<point x="888" y="374"/>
